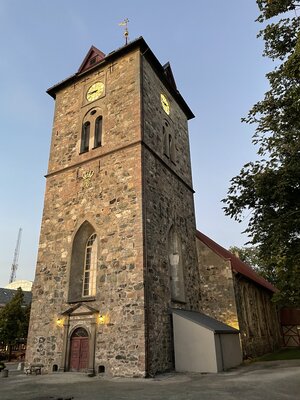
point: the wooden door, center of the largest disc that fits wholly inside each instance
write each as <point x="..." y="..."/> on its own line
<point x="75" y="354"/>
<point x="79" y="350"/>
<point x="84" y="354"/>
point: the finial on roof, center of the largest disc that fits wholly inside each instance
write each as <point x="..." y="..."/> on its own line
<point x="124" y="23"/>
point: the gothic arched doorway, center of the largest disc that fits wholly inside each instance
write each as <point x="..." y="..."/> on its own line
<point x="79" y="350"/>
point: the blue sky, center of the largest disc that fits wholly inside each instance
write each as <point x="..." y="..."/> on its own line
<point x="218" y="66"/>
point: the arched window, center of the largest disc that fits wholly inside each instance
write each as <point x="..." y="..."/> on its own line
<point x="172" y="148"/>
<point x="169" y="142"/>
<point x="176" y="267"/>
<point x="92" y="127"/>
<point x="80" y="332"/>
<point x="83" y="268"/>
<point x="166" y="140"/>
<point x="98" y="132"/>
<point x="90" y="264"/>
<point x="85" y="137"/>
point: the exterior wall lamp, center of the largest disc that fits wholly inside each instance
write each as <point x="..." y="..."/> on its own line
<point x="103" y="319"/>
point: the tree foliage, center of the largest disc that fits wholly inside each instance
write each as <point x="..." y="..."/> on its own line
<point x="249" y="255"/>
<point x="269" y="188"/>
<point x="14" y="320"/>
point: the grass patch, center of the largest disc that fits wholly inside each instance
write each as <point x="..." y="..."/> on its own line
<point x="283" y="354"/>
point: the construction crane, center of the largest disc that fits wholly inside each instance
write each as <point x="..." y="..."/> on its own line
<point x="14" y="266"/>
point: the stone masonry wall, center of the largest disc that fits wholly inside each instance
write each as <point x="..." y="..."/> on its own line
<point x="217" y="289"/>
<point x="110" y="200"/>
<point x="238" y="302"/>
<point x="119" y="104"/>
<point x="154" y="118"/>
<point x="258" y="318"/>
<point x="168" y="201"/>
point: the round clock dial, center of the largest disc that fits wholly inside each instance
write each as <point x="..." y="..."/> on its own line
<point x="95" y="91"/>
<point x="165" y="104"/>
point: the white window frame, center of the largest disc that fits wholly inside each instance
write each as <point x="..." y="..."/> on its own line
<point x="90" y="267"/>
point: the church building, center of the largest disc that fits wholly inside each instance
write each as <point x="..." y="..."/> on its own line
<point x="117" y="248"/>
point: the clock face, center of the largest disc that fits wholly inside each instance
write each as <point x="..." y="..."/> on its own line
<point x="95" y="91"/>
<point x="165" y="104"/>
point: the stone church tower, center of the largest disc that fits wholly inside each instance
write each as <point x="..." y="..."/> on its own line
<point x="117" y="244"/>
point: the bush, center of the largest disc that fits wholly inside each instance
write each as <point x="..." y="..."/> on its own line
<point x="3" y="356"/>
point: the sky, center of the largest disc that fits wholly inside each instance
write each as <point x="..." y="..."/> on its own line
<point x="217" y="62"/>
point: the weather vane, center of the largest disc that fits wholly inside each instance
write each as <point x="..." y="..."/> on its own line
<point x="124" y="23"/>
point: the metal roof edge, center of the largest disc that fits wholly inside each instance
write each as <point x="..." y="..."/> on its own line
<point x="216" y="331"/>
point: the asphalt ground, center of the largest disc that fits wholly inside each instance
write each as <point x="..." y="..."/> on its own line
<point x="275" y="380"/>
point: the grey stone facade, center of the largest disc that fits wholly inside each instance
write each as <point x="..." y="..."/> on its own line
<point x="130" y="195"/>
<point x="234" y="294"/>
<point x="133" y="194"/>
<point x="110" y="201"/>
<point x="168" y="195"/>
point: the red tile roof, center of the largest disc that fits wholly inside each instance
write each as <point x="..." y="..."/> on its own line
<point x="236" y="264"/>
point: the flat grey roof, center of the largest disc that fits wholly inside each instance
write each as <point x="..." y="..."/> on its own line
<point x="205" y="321"/>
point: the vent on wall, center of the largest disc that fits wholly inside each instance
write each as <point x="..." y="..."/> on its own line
<point x="101" y="369"/>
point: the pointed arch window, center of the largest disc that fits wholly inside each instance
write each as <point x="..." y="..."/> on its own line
<point x="98" y="132"/>
<point x="85" y="137"/>
<point x="169" y="142"/>
<point x="172" y="149"/>
<point x="166" y="140"/>
<point x="90" y="264"/>
<point x="83" y="264"/>
<point x="176" y="267"/>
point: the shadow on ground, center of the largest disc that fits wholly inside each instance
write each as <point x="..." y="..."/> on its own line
<point x="275" y="380"/>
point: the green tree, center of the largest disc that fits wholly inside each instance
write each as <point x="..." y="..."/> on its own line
<point x="249" y="255"/>
<point x="14" y="320"/>
<point x="269" y="188"/>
